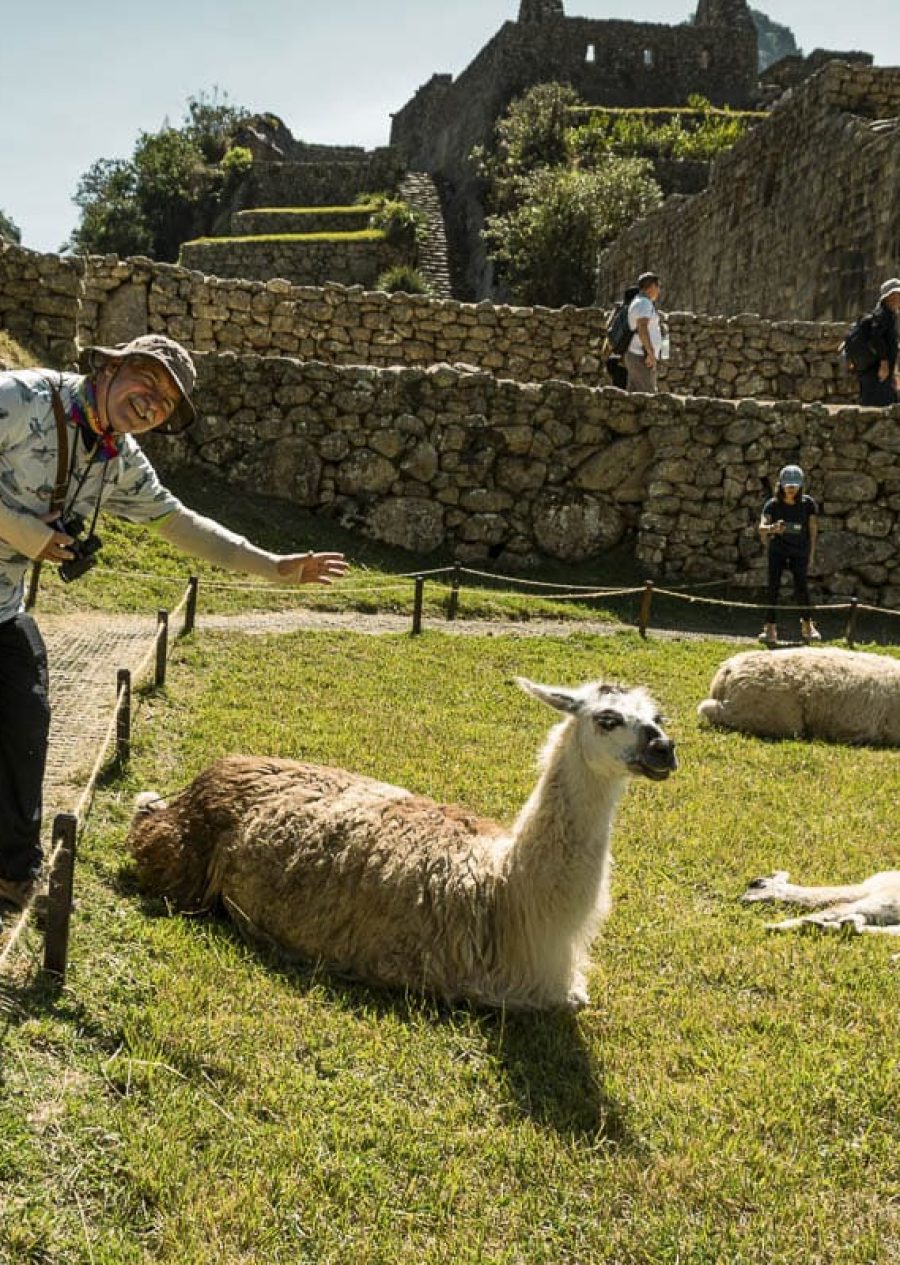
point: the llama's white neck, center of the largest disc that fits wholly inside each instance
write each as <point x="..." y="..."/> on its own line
<point x="557" y="865"/>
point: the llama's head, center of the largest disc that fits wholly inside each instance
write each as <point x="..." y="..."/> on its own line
<point x="617" y="730"/>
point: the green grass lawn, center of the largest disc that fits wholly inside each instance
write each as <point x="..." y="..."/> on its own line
<point x="727" y="1097"/>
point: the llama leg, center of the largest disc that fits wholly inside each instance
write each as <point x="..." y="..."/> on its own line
<point x="777" y="887"/>
<point x="577" y="997"/>
<point x="842" y="919"/>
<point x="871" y="929"/>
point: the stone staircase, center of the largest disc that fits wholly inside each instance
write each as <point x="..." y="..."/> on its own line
<point x="420" y="191"/>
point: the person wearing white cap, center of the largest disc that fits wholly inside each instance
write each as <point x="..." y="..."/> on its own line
<point x="879" y="382"/>
<point x="67" y="447"/>
<point x="789" y="528"/>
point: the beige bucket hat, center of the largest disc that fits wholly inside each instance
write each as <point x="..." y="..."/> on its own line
<point x="174" y="358"/>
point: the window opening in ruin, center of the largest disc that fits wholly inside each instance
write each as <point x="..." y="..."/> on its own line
<point x="591" y="54"/>
<point x="705" y="59"/>
<point x="648" y="58"/>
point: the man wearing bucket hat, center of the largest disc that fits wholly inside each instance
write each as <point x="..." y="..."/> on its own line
<point x="789" y="528"/>
<point x="878" y="374"/>
<point x="67" y="447"/>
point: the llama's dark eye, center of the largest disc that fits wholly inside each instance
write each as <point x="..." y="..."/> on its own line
<point x="608" y="720"/>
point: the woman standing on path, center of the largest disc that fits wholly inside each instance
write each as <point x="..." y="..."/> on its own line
<point x="789" y="529"/>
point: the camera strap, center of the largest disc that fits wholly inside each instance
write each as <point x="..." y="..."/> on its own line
<point x="59" y="488"/>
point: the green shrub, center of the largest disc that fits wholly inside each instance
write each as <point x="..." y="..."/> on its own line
<point x="401" y="225"/>
<point x="236" y="163"/>
<point x="402" y="279"/>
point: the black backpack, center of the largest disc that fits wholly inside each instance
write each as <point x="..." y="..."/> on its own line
<point x="861" y="347"/>
<point x="618" y="332"/>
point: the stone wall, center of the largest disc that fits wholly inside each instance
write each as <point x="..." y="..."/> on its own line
<point x="322" y="182"/>
<point x="39" y="300"/>
<point x="271" y="220"/>
<point x="801" y="216"/>
<point x="480" y="467"/>
<point x="118" y="299"/>
<point x="303" y="263"/>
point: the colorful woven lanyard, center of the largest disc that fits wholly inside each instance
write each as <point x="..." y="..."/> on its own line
<point x="86" y="415"/>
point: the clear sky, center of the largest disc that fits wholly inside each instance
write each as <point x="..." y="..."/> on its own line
<point x="80" y="80"/>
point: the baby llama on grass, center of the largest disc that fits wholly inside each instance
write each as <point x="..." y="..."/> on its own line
<point x="838" y="695"/>
<point x="394" y="888"/>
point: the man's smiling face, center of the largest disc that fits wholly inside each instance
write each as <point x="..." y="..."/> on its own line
<point x="135" y="394"/>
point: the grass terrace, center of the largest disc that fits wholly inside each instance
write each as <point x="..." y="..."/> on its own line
<point x="360" y="235"/>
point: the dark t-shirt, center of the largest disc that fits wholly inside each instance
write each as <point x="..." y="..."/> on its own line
<point x="795" y="541"/>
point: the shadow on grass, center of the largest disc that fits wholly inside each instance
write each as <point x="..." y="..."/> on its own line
<point x="547" y="1064"/>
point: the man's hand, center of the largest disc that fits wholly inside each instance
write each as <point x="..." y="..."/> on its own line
<point x="57" y="548"/>
<point x="312" y="568"/>
<point x="884" y="369"/>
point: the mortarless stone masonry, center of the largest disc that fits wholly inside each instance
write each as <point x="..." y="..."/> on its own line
<point x="801" y="216"/>
<point x="439" y="458"/>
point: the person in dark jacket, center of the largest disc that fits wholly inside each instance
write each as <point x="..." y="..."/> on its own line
<point x="879" y="385"/>
<point x="788" y="528"/>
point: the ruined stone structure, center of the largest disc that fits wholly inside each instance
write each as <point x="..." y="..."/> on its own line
<point x="444" y="458"/>
<point x="345" y="260"/>
<point x="801" y="216"/>
<point x="608" y="63"/>
<point x="105" y="300"/>
<point x="460" y="457"/>
<point x="614" y="63"/>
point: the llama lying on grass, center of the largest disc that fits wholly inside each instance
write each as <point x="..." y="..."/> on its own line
<point x="395" y="888"/>
<point x="873" y="905"/>
<point x="839" y="695"/>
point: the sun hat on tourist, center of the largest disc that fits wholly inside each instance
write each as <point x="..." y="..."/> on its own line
<point x="791" y="476"/>
<point x="174" y="358"/>
<point x="890" y="287"/>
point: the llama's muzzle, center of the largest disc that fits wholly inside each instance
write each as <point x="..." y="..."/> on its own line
<point x="656" y="759"/>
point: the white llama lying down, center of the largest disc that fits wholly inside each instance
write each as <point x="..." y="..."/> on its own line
<point x="873" y="905"/>
<point x="839" y="695"/>
<point x="395" y="888"/>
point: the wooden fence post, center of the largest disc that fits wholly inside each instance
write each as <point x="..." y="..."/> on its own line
<point x="453" y="599"/>
<point x="190" y="610"/>
<point x="646" y="605"/>
<point x="59" y="896"/>
<point x="123" y="715"/>
<point x="162" y="646"/>
<point x="850" y="634"/>
<point x="417" y="605"/>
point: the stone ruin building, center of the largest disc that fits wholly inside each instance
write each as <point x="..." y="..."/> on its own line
<point x="608" y="62"/>
<point x="435" y="424"/>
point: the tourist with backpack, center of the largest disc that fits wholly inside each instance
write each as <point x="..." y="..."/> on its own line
<point x="870" y="350"/>
<point x="618" y="336"/>
<point x="646" y="340"/>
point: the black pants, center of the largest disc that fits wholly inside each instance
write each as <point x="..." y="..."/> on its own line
<point x="797" y="566"/>
<point x="24" y="729"/>
<point x="874" y="393"/>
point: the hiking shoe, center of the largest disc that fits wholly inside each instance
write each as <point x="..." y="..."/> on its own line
<point x="17" y="894"/>
<point x="769" y="635"/>
<point x="808" y="631"/>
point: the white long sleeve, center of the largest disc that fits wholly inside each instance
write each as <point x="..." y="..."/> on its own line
<point x="205" y="538"/>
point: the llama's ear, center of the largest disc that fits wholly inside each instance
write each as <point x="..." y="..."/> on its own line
<point x="555" y="696"/>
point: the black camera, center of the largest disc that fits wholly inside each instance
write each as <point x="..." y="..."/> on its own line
<point x="85" y="551"/>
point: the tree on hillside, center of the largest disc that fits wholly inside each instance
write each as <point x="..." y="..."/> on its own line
<point x="167" y="192"/>
<point x="546" y="245"/>
<point x="9" y="230"/>
<point x="549" y="218"/>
